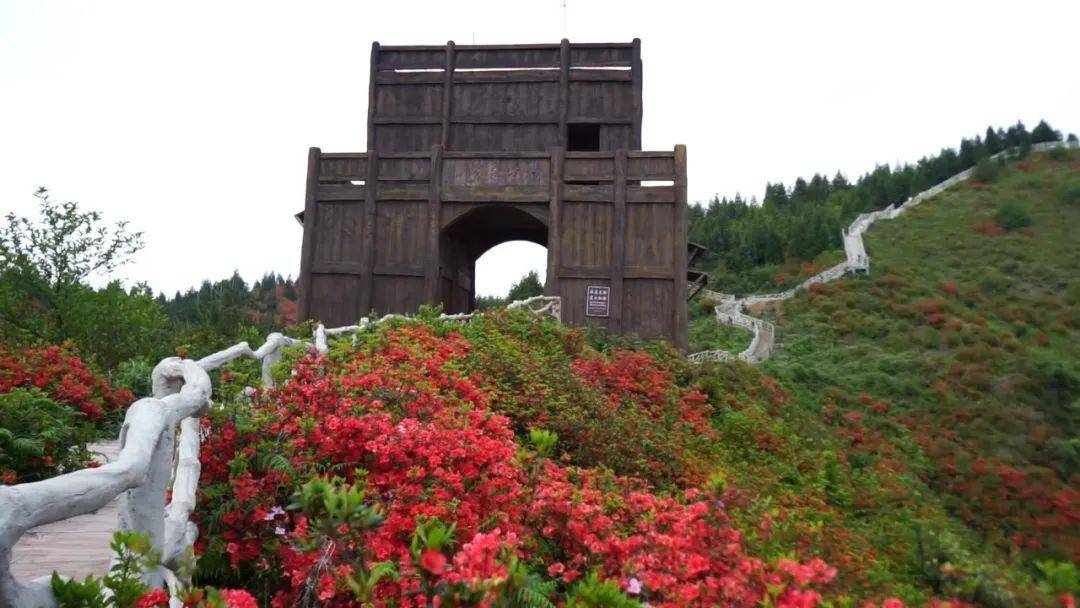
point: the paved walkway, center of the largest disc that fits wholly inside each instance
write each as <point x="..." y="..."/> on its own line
<point x="73" y="547"/>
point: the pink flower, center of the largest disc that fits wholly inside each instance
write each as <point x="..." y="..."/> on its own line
<point x="633" y="586"/>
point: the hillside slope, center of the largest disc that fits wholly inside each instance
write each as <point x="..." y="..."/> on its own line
<point x="955" y="366"/>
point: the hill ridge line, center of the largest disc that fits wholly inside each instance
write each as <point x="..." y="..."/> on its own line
<point x="730" y="309"/>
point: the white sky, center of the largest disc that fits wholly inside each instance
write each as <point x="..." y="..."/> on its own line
<point x="192" y="119"/>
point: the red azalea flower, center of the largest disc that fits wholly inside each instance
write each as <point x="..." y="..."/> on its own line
<point x="155" y="598"/>
<point x="238" y="598"/>
<point x="433" y="561"/>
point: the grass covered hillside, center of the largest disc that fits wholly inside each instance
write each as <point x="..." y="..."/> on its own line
<point x="913" y="442"/>
<point x="949" y="377"/>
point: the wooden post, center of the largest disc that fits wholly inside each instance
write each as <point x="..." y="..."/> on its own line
<point x="367" y="255"/>
<point x="554" y="243"/>
<point x="311" y="221"/>
<point x="448" y="94"/>
<point x="679" y="289"/>
<point x="371" y="96"/>
<point x="635" y="75"/>
<point x="618" y="244"/>
<point x="432" y="274"/>
<point x="564" y="91"/>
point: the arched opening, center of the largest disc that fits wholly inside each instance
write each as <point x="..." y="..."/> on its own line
<point x="498" y="269"/>
<point x="477" y="232"/>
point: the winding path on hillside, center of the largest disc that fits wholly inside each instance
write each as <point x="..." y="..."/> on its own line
<point x="732" y="311"/>
<point x="75" y="547"/>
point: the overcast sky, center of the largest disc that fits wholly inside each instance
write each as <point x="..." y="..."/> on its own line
<point x="193" y="119"/>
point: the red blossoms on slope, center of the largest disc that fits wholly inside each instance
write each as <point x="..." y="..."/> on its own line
<point x="429" y="445"/>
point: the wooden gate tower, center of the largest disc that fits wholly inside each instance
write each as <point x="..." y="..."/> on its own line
<point x="472" y="146"/>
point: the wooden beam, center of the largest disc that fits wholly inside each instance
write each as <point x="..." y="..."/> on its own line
<point x="651" y="194"/>
<point x="431" y="267"/>
<point x="564" y="91"/>
<point x="448" y="94"/>
<point x="339" y="192"/>
<point x="554" y="241"/>
<point x="635" y="75"/>
<point x="496" y="194"/>
<point x="679" y="284"/>
<point x="618" y="243"/>
<point x="367" y="253"/>
<point x="371" y="97"/>
<point x="311" y="221"/>
<point x="581" y="193"/>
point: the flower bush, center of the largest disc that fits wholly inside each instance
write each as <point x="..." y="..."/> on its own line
<point x="624" y="410"/>
<point x="390" y="473"/>
<point x="58" y="371"/>
<point x="50" y="402"/>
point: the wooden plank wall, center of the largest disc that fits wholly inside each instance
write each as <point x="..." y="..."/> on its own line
<point x="503" y="97"/>
<point x="375" y="227"/>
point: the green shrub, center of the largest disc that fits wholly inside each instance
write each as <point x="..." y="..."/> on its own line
<point x="39" y="437"/>
<point x="134" y="375"/>
<point x="1012" y="216"/>
<point x="1059" y="154"/>
<point x="1059" y="577"/>
<point x="986" y="171"/>
<point x="1070" y="193"/>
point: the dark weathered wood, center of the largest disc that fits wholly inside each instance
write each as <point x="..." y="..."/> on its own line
<point x="434" y="223"/>
<point x="554" y="244"/>
<point x="507" y="76"/>
<point x="496" y="194"/>
<point x="468" y="149"/>
<point x="564" y="90"/>
<point x="340" y="192"/>
<point x="589" y="193"/>
<point x="311" y="224"/>
<point x="367" y="255"/>
<point x="410" y="192"/>
<point x="448" y="94"/>
<point x="653" y="194"/>
<point x="371" y="97"/>
<point x="636" y="77"/>
<point x="618" y="253"/>
<point x="679" y="289"/>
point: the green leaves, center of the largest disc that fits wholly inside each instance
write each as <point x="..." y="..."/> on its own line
<point x="431" y="533"/>
<point x="122" y="586"/>
<point x="39" y="437"/>
<point x="591" y="592"/>
<point x="544" y="441"/>
<point x="363" y="581"/>
<point x="332" y="503"/>
<point x="1058" y="577"/>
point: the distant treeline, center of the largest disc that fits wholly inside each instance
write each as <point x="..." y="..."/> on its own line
<point x="749" y="244"/>
<point x="268" y="303"/>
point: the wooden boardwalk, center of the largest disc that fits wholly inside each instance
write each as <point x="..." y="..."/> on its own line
<point x="73" y="547"/>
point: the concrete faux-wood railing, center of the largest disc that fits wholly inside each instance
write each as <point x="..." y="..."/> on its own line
<point x="153" y="459"/>
<point x="729" y="309"/>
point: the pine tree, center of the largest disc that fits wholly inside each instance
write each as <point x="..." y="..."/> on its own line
<point x="993" y="141"/>
<point x="775" y="195"/>
<point x="1044" y="133"/>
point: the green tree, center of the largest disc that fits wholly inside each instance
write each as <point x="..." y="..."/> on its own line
<point x="527" y="287"/>
<point x="1044" y="133"/>
<point x="45" y="263"/>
